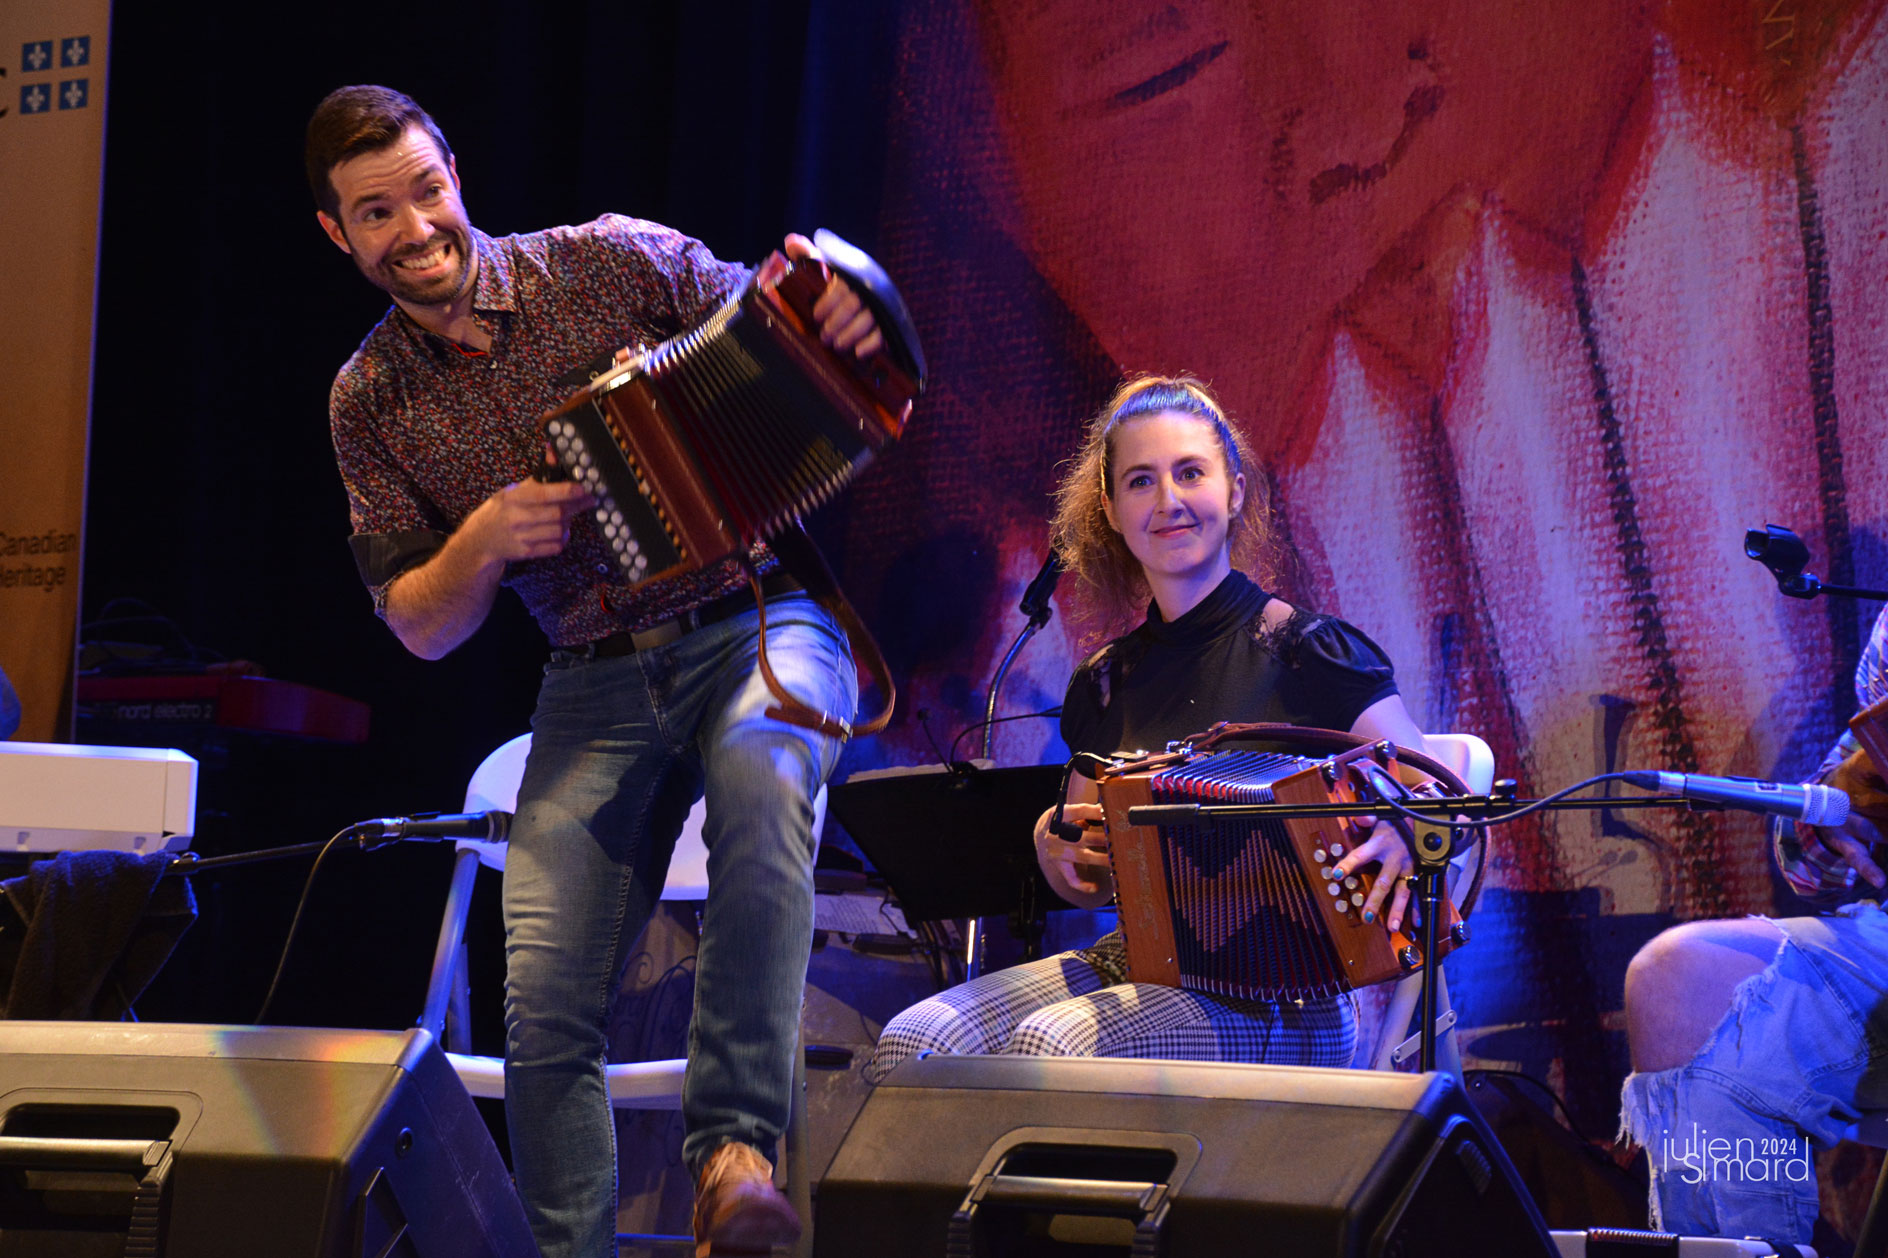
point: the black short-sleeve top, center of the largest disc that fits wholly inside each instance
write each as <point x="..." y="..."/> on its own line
<point x="1162" y="682"/>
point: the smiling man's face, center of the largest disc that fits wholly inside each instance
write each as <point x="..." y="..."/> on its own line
<point x="402" y="221"/>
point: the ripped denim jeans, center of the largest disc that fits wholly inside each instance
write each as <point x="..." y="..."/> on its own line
<point x="1731" y="1134"/>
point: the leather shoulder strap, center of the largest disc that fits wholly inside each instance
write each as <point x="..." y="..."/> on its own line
<point x="802" y="558"/>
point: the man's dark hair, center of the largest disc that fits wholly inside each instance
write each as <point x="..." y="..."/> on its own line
<point x="354" y="120"/>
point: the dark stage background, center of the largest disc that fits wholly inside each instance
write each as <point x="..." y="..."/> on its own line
<point x="224" y="312"/>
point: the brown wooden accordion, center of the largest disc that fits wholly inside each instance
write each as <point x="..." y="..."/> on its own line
<point x="714" y="440"/>
<point x="1248" y="908"/>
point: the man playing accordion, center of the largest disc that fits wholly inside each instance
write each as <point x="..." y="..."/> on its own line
<point x="651" y="695"/>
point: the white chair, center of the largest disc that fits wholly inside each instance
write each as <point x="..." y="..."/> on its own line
<point x="655" y="1085"/>
<point x="1474" y="763"/>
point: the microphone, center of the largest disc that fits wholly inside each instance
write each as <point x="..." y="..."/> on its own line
<point x="491" y="826"/>
<point x="1067" y="831"/>
<point x="1784" y="554"/>
<point x="1035" y="604"/>
<point x="1811" y="804"/>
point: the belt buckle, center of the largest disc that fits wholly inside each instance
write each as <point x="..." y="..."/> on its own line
<point x="661" y="634"/>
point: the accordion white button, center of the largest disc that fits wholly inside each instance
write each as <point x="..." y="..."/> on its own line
<point x="1320" y="857"/>
<point x="1333" y="888"/>
<point x="1337" y="850"/>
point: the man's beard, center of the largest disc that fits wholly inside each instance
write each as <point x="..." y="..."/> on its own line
<point x="436" y="291"/>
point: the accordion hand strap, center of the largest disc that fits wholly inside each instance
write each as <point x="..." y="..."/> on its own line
<point x="1300" y="739"/>
<point x="802" y="558"/>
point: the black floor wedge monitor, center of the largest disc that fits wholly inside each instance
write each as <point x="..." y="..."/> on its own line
<point x="1014" y="1157"/>
<point x="243" y="1142"/>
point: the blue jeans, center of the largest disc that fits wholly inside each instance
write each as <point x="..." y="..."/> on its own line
<point x="1801" y="1052"/>
<point x="621" y="748"/>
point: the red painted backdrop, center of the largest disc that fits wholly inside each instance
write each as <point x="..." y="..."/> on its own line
<point x="1530" y="309"/>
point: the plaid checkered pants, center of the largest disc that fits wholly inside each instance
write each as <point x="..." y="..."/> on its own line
<point x="1068" y="1006"/>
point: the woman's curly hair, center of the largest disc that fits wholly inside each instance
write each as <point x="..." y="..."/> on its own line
<point x="1090" y="547"/>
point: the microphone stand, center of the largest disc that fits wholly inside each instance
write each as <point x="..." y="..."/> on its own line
<point x="361" y="836"/>
<point x="1803" y="585"/>
<point x="1784" y="554"/>
<point x="1028" y="915"/>
<point x="1432" y="848"/>
<point x="188" y="864"/>
<point x="1031" y="928"/>
<point x="1037" y="620"/>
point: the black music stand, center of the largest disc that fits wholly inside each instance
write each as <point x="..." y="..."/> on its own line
<point x="955" y="843"/>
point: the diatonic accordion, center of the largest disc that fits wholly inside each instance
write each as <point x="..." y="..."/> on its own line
<point x="1250" y="908"/>
<point x="712" y="441"/>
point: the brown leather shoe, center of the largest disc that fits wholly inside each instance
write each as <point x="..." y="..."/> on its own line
<point x="738" y="1211"/>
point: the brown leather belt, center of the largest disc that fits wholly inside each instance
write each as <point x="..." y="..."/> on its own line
<point x="628" y="642"/>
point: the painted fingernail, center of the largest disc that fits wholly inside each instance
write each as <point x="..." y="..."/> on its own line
<point x="1370" y="915"/>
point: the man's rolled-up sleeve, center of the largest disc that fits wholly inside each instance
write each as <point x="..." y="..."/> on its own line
<point x="395" y="528"/>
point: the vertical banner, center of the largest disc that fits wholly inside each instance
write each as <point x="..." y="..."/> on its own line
<point x="52" y="141"/>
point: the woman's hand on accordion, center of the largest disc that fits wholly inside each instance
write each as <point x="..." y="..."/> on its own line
<point x="845" y="321"/>
<point x="1387" y="718"/>
<point x="1077" y="870"/>
<point x="1386" y="847"/>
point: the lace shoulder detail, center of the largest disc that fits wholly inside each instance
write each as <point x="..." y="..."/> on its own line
<point x="1099" y="669"/>
<point x="1283" y="639"/>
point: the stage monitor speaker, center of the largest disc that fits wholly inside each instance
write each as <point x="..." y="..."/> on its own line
<point x="1005" y="1157"/>
<point x="182" y="1141"/>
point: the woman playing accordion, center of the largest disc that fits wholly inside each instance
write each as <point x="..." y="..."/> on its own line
<point x="1155" y="510"/>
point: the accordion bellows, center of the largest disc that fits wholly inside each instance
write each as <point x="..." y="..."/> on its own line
<point x="712" y="441"/>
<point x="1247" y="908"/>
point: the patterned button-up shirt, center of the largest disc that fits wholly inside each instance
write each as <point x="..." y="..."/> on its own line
<point x="424" y="432"/>
<point x="1812" y="870"/>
